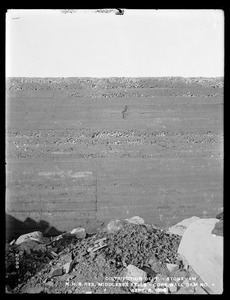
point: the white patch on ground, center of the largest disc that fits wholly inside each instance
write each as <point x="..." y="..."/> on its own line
<point x="65" y="174"/>
<point x="81" y="174"/>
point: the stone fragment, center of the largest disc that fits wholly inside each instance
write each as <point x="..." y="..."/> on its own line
<point x="36" y="236"/>
<point x="156" y="265"/>
<point x="98" y="244"/>
<point x="59" y="237"/>
<point x="100" y="241"/>
<point x="220" y="216"/>
<point x="66" y="258"/>
<point x="31" y="245"/>
<point x="68" y="267"/>
<point x="172" y="267"/>
<point x="12" y="242"/>
<point x="56" y="272"/>
<point x="79" y="232"/>
<point x="135" y="220"/>
<point x="54" y="254"/>
<point x="219" y="228"/>
<point x="54" y="249"/>
<point x="114" y="226"/>
<point x="64" y="235"/>
<point x="134" y="274"/>
<point x="95" y="248"/>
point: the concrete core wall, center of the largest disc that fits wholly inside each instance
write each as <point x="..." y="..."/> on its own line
<point x="80" y="152"/>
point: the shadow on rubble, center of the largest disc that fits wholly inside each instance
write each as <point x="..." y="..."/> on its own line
<point x="32" y="259"/>
<point x="15" y="227"/>
<point x="35" y="260"/>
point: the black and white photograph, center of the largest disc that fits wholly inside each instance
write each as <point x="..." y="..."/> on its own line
<point x="114" y="151"/>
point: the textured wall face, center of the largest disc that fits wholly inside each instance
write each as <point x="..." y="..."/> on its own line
<point x="83" y="151"/>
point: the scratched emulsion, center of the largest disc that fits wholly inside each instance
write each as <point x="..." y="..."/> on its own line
<point x="81" y="151"/>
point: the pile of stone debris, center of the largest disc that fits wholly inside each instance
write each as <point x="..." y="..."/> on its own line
<point x="127" y="256"/>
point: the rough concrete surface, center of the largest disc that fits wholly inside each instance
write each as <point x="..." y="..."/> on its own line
<point x="82" y="151"/>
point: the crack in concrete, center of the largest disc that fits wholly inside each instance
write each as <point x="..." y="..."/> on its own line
<point x="124" y="112"/>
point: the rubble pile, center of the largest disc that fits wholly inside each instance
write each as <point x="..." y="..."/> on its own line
<point x="127" y="256"/>
<point x="27" y="258"/>
<point x="135" y="244"/>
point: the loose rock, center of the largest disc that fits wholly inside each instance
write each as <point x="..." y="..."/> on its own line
<point x="219" y="228"/>
<point x="134" y="274"/>
<point x="68" y="267"/>
<point x="12" y="242"/>
<point x="172" y="267"/>
<point x="56" y="272"/>
<point x="31" y="245"/>
<point x="79" y="232"/>
<point x="36" y="236"/>
<point x="114" y="226"/>
<point x="220" y="216"/>
<point x="135" y="220"/>
<point x="67" y="257"/>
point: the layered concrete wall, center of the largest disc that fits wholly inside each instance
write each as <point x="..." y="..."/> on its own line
<point x="81" y="152"/>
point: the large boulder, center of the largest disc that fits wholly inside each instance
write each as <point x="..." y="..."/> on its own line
<point x="180" y="227"/>
<point x="204" y="252"/>
<point x="35" y="236"/>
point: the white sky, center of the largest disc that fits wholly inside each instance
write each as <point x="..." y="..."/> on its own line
<point x="49" y="43"/>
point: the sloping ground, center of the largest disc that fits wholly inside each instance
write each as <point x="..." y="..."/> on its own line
<point x="98" y="271"/>
<point x="81" y="151"/>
